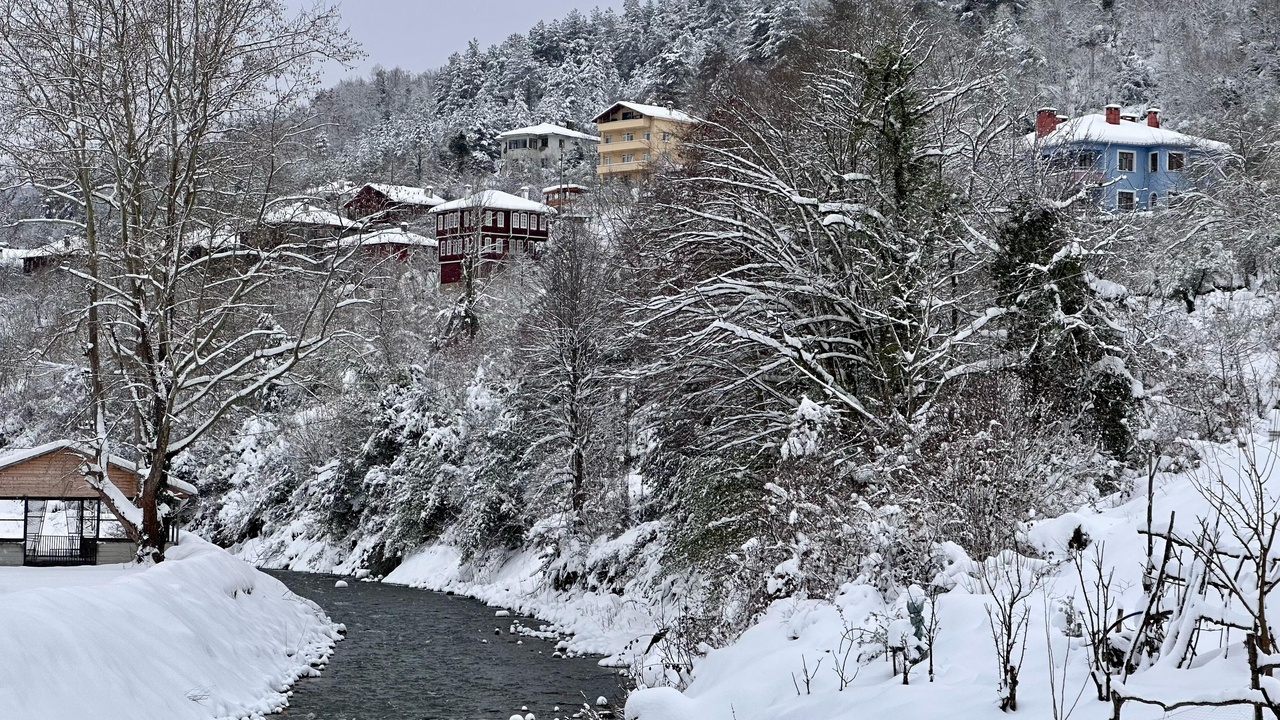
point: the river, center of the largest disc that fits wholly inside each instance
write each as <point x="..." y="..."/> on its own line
<point x="418" y="655"/>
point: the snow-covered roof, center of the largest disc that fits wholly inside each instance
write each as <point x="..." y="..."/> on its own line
<point x="406" y="195"/>
<point x="495" y="200"/>
<point x="385" y="236"/>
<point x="221" y="237"/>
<point x="332" y="188"/>
<point x="548" y="129"/>
<point x="14" y="457"/>
<point x="1095" y="128"/>
<point x="69" y="245"/>
<point x="302" y="213"/>
<point x="565" y="186"/>
<point x="657" y="111"/>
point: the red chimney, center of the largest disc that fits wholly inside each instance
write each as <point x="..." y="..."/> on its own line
<point x="1113" y="114"/>
<point x="1153" y="117"/>
<point x="1046" y="121"/>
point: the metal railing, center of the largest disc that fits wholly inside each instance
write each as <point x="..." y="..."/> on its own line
<point x="60" y="550"/>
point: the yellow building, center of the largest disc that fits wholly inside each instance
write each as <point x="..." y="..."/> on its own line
<point x="635" y="139"/>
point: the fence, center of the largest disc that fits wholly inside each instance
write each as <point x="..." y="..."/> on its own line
<point x="48" y="550"/>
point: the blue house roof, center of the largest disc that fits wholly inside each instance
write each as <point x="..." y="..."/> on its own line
<point x="1135" y="165"/>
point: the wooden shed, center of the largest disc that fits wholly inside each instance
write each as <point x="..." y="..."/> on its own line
<point x="50" y="515"/>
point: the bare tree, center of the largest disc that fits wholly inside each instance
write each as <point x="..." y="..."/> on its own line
<point x="1010" y="580"/>
<point x="570" y="333"/>
<point x="165" y="123"/>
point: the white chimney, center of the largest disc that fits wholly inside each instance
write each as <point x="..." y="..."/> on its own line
<point x="524" y="192"/>
<point x="429" y="190"/>
<point x="466" y="190"/>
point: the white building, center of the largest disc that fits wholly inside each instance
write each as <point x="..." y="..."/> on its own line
<point x="546" y="145"/>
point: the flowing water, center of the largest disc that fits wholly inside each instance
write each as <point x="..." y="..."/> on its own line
<point x="418" y="655"/>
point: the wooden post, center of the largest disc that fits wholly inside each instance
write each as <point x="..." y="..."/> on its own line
<point x="25" y="509"/>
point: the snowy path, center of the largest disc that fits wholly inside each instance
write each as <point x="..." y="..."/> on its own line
<point x="412" y="654"/>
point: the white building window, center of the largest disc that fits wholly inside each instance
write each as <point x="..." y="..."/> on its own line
<point x="647" y="136"/>
<point x="628" y="137"/>
<point x="1125" y="160"/>
<point x="645" y="157"/>
<point x="666" y="137"/>
<point x="1177" y="160"/>
<point x="608" y="139"/>
<point x="1125" y="200"/>
<point x="628" y="158"/>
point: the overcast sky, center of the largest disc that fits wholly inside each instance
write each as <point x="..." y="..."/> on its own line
<point x="421" y="34"/>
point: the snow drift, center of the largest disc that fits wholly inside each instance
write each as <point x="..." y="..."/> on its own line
<point x="202" y="635"/>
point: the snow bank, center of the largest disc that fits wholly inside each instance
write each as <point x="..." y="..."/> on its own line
<point x="761" y="675"/>
<point x="202" y="635"/>
<point x="597" y="623"/>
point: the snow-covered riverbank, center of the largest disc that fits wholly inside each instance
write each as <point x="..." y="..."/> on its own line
<point x="821" y="659"/>
<point x="202" y="635"/>
<point x="613" y="612"/>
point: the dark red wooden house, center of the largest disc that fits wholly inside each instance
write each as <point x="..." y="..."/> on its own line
<point x="486" y="228"/>
<point x="378" y="204"/>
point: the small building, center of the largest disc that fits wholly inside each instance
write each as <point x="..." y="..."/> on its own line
<point x="379" y="204"/>
<point x="1129" y="162"/>
<point x="563" y="194"/>
<point x="488" y="227"/>
<point x="302" y="222"/>
<point x="636" y="139"/>
<point x="39" y="259"/>
<point x="547" y="145"/>
<point x="50" y="515"/>
<point x="390" y="243"/>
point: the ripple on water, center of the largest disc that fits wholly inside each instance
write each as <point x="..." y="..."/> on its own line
<point x="418" y="655"/>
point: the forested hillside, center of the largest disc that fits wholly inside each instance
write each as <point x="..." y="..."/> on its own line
<point x="439" y="126"/>
<point x="855" y="341"/>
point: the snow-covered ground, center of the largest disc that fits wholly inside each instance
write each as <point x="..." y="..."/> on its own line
<point x="202" y="635"/>
<point x="761" y="676"/>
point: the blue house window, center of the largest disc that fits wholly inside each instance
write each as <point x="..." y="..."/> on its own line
<point x="1177" y="160"/>
<point x="1126" y="199"/>
<point x="1153" y="164"/>
<point x="1085" y="160"/>
<point x="1153" y="202"/>
<point x="1125" y="160"/>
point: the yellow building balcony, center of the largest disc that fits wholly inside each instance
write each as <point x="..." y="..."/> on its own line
<point x="637" y="146"/>
<point x="638" y="126"/>
<point x="621" y="168"/>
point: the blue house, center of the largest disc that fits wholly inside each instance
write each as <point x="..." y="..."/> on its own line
<point x="1130" y="162"/>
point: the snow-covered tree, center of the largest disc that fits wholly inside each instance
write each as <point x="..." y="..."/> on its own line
<point x="159" y="122"/>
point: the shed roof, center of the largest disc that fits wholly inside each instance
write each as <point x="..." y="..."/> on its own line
<point x="385" y="236"/>
<point x="303" y="213"/>
<point x="14" y="457"/>
<point x="548" y="129"/>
